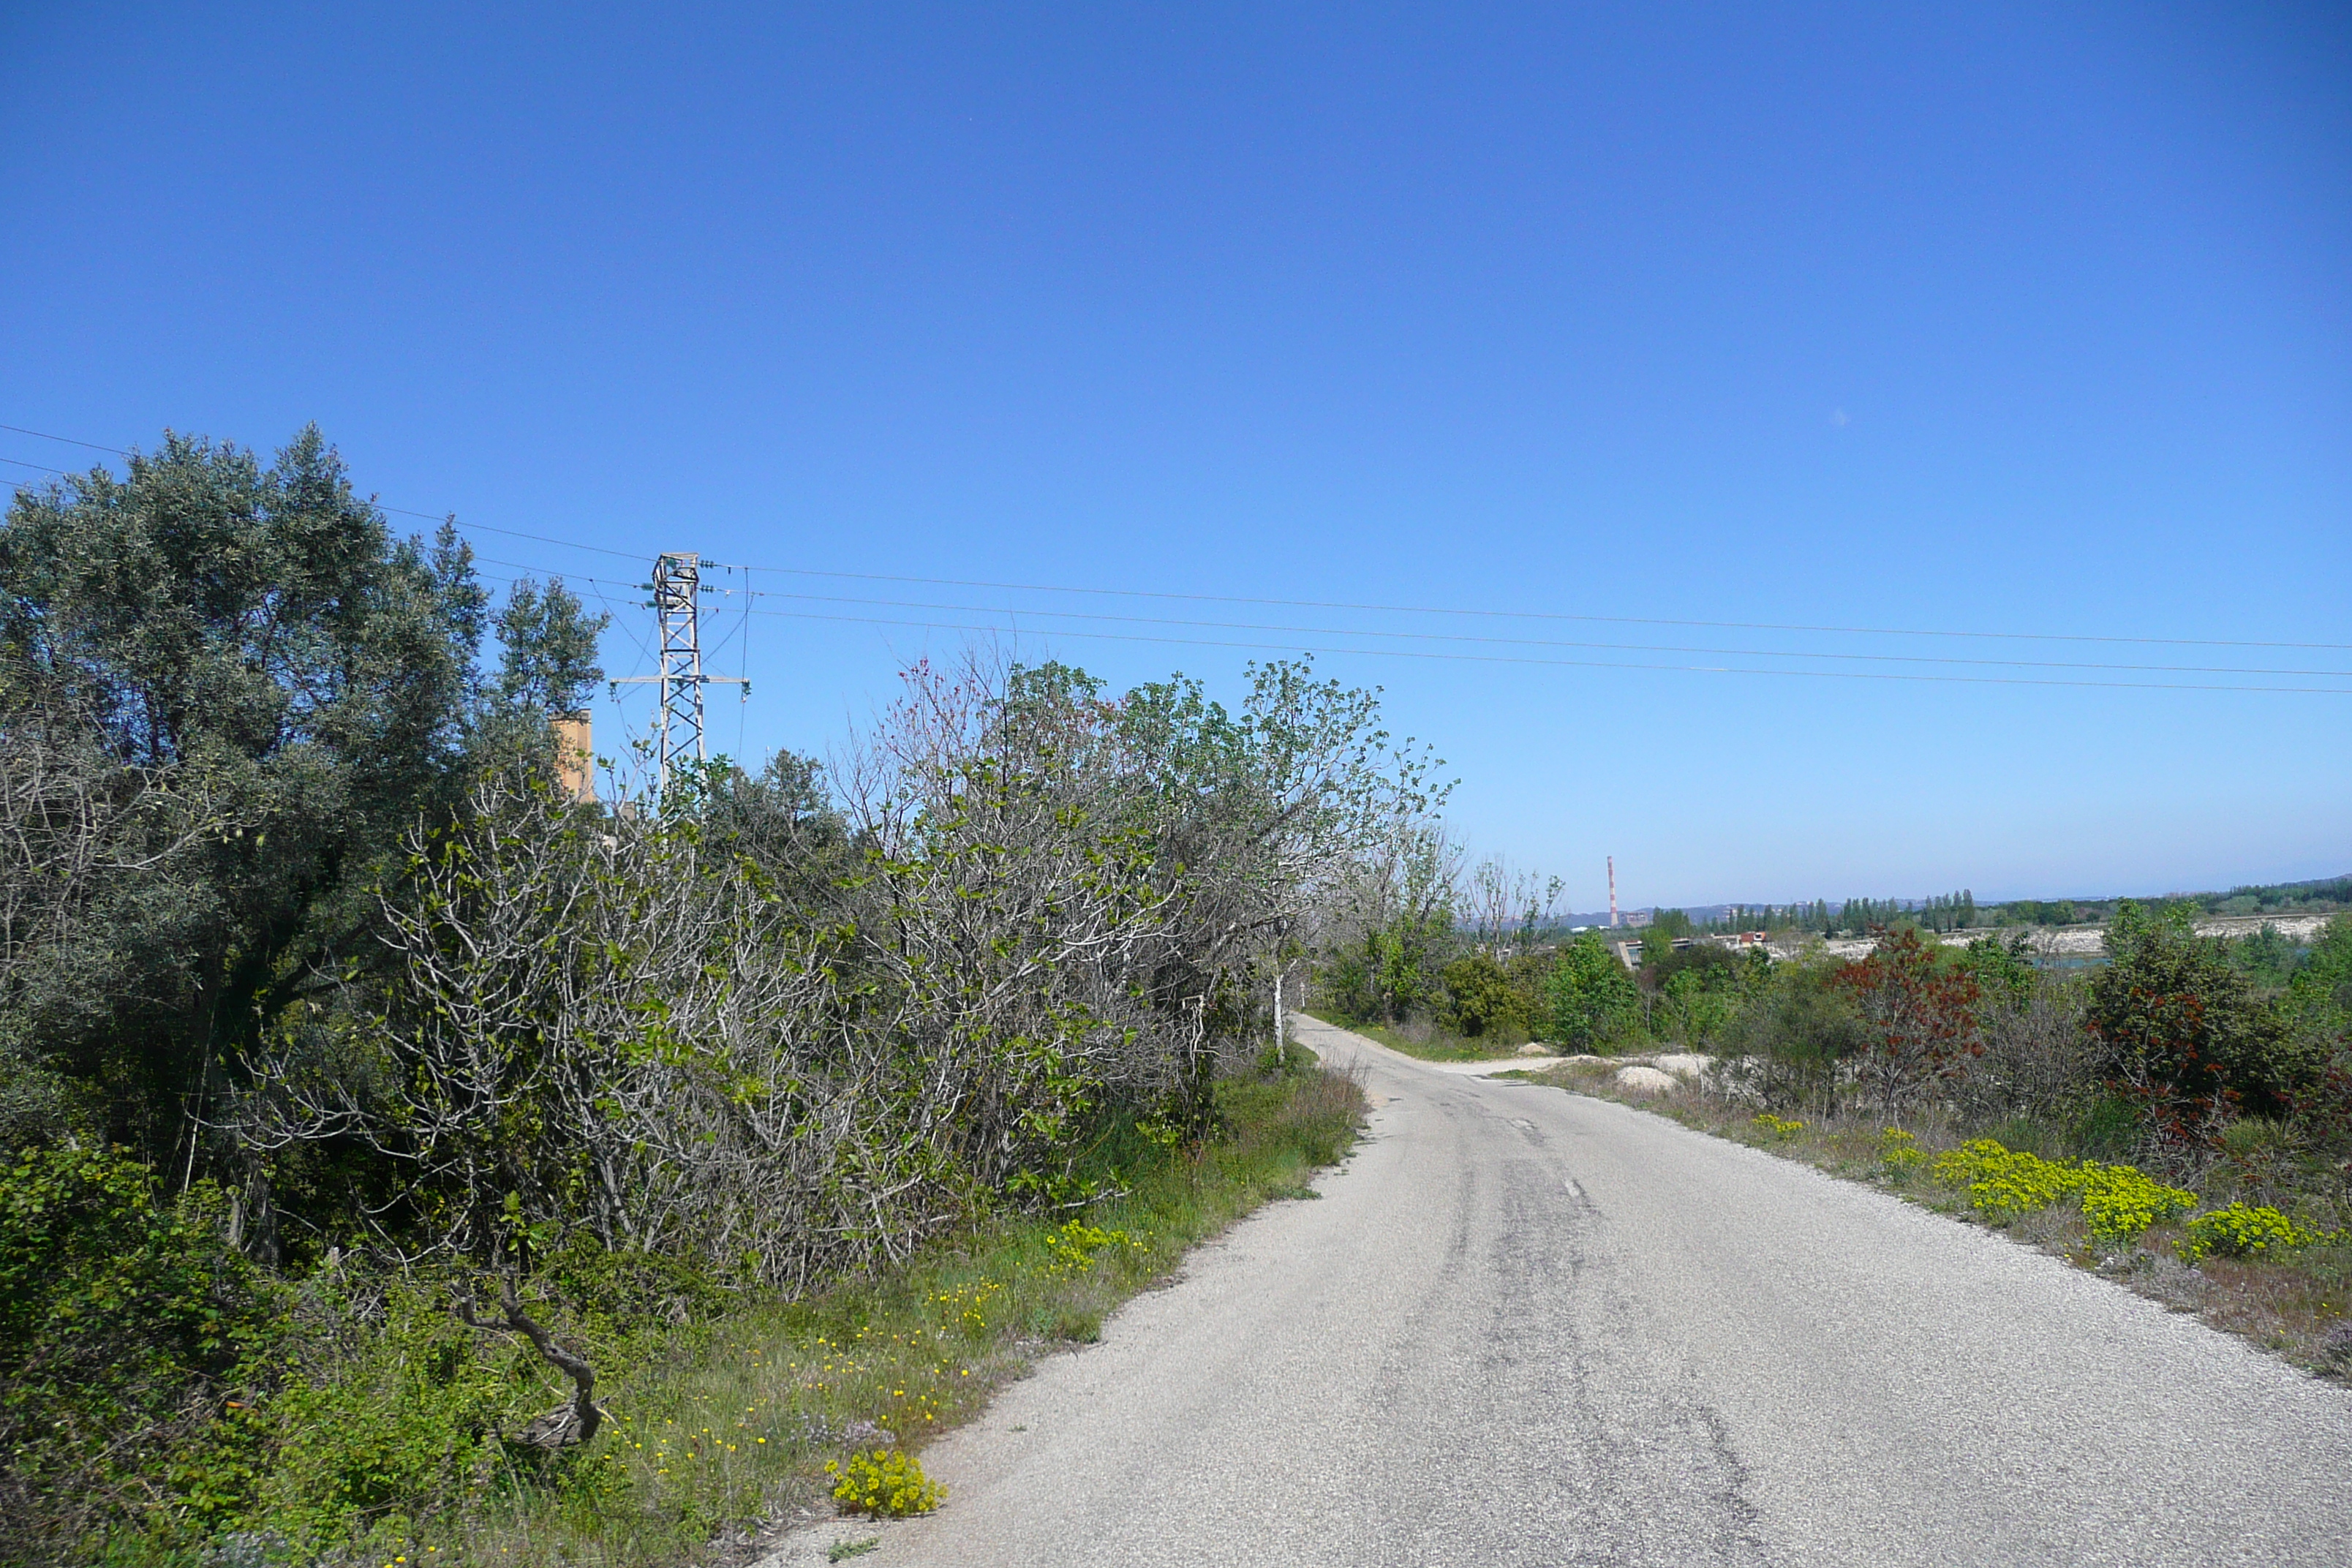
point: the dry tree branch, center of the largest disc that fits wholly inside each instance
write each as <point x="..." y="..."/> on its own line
<point x="568" y="1424"/>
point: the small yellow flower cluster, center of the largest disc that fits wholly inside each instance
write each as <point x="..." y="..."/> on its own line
<point x="965" y="1307"/>
<point x="882" y="1482"/>
<point x="1899" y="1152"/>
<point x="1074" y="1244"/>
<point x="2239" y="1231"/>
<point x="1778" y="1129"/>
<point x="2118" y="1202"/>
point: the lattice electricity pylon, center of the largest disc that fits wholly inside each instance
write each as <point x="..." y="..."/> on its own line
<point x="677" y="718"/>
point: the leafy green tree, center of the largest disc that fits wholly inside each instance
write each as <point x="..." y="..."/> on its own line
<point x="2320" y="994"/>
<point x="290" y="684"/>
<point x="1403" y="966"/>
<point x="784" y="821"/>
<point x="1796" y="1035"/>
<point x="2267" y="957"/>
<point x="1399" y="897"/>
<point x="2004" y="969"/>
<point x="1665" y="925"/>
<point x="1589" y="995"/>
<point x="547" y="639"/>
<point x="1694" y="992"/>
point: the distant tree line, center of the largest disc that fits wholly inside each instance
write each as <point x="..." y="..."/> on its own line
<point x="1854" y="917"/>
<point x="2176" y="1049"/>
<point x="1947" y="913"/>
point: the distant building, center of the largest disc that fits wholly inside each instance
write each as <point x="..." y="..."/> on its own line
<point x="576" y="757"/>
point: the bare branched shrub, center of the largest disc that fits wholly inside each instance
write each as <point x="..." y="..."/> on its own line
<point x="1042" y="906"/>
<point x="592" y="1023"/>
<point x="2037" y="1063"/>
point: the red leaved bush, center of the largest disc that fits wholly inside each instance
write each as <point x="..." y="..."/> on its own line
<point x="1921" y="1013"/>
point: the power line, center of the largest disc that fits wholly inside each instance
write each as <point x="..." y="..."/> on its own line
<point x="1434" y="610"/>
<point x="1463" y="637"/>
<point x="1485" y="640"/>
<point x="20" y="430"/>
<point x="1587" y="663"/>
<point x="1332" y="604"/>
<point x="1548" y="614"/>
<point x="511" y="533"/>
<point x="599" y="583"/>
<point x="1551" y="642"/>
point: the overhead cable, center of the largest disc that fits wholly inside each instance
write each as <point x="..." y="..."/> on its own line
<point x="1818" y="629"/>
<point x="1582" y="663"/>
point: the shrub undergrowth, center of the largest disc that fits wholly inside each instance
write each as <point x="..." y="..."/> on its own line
<point x="352" y="1415"/>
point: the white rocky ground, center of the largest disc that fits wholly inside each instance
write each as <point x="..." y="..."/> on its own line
<point x="2078" y="941"/>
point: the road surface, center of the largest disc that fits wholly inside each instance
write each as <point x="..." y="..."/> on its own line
<point x="1524" y="1327"/>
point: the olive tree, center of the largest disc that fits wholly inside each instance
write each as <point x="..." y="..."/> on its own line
<point x="247" y="653"/>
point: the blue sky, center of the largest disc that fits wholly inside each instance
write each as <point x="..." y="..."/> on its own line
<point x="2031" y="319"/>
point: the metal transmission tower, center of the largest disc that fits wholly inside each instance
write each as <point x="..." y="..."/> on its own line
<point x="677" y="719"/>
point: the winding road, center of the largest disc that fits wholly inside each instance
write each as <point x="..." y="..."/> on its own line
<point x="1524" y="1327"/>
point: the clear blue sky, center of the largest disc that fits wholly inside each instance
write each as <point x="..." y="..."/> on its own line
<point x="1993" y="318"/>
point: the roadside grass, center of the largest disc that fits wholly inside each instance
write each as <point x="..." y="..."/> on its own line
<point x="1430" y="1042"/>
<point x="2294" y="1306"/>
<point x="718" y="1434"/>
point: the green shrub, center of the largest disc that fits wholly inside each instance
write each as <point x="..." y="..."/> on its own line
<point x="2320" y="994"/>
<point x="1588" y="996"/>
<point x="885" y="1483"/>
<point x="1482" y="1003"/>
<point x="2025" y="1135"/>
<point x="401" y="1425"/>
<point x="2106" y="1127"/>
<point x="2004" y="969"/>
<point x="2178" y="1029"/>
<point x="132" y="1334"/>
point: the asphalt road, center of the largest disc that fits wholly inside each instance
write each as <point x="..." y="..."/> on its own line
<point x="1524" y="1327"/>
